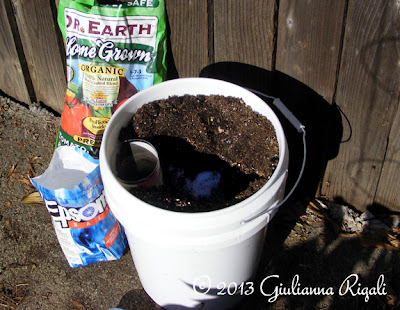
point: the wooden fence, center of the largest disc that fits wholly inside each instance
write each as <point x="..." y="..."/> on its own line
<point x="335" y="63"/>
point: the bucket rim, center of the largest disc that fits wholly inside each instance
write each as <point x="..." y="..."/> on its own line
<point x="283" y="148"/>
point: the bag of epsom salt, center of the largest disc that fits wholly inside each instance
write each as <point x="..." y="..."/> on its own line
<point x="72" y="191"/>
<point x="112" y="52"/>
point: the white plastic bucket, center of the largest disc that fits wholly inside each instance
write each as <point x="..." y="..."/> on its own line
<point x="180" y="256"/>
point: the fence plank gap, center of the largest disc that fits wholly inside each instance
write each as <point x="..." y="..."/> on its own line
<point x="14" y="80"/>
<point x="40" y="43"/>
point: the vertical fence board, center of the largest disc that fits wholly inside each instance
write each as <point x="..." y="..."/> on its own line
<point x="309" y="36"/>
<point x="308" y="47"/>
<point x="40" y="43"/>
<point x="12" y="80"/>
<point x="388" y="189"/>
<point x="189" y="35"/>
<point x="368" y="93"/>
<point x="244" y="32"/>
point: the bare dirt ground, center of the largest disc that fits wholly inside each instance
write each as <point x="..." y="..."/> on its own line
<point x="308" y="246"/>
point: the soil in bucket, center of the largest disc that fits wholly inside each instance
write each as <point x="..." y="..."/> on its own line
<point x="215" y="151"/>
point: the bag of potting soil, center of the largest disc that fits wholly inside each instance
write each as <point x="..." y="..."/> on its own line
<point x="112" y="52"/>
<point x="72" y="191"/>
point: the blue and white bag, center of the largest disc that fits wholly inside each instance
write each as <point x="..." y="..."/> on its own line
<point x="72" y="191"/>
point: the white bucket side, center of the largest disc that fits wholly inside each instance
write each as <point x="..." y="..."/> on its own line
<point x="175" y="275"/>
<point x="172" y="250"/>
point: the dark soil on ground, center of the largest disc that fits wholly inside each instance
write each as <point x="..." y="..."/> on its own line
<point x="218" y="135"/>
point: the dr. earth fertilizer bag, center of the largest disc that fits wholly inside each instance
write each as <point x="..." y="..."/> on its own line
<point x="112" y="52"/>
<point x="73" y="193"/>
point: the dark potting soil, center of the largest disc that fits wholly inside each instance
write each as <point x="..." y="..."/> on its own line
<point x="214" y="151"/>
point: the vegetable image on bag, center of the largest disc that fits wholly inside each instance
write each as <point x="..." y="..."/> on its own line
<point x="112" y="52"/>
<point x="73" y="114"/>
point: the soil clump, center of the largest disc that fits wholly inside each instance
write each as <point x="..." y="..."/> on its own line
<point x="214" y="151"/>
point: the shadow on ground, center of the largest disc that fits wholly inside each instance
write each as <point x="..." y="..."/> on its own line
<point x="307" y="263"/>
